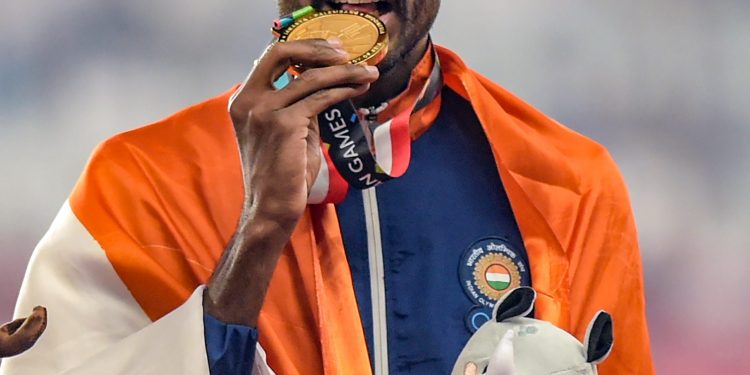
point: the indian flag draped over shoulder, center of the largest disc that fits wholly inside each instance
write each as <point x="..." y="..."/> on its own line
<point x="498" y="277"/>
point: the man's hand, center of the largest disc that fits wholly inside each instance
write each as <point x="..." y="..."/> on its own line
<point x="20" y="335"/>
<point x="279" y="145"/>
<point x="277" y="129"/>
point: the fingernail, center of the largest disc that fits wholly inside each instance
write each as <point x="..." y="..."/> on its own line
<point x="335" y="42"/>
<point x="372" y="69"/>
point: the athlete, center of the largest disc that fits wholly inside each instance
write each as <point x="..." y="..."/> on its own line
<point x="188" y="246"/>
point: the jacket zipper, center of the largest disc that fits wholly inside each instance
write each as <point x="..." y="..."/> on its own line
<point x="377" y="282"/>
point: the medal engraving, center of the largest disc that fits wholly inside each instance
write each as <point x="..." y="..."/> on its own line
<point x="364" y="36"/>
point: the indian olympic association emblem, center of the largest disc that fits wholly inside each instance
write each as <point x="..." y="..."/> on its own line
<point x="489" y="268"/>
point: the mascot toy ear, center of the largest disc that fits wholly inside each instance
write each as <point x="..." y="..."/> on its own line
<point x="599" y="338"/>
<point x="516" y="303"/>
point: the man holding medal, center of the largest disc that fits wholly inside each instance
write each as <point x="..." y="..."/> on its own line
<point x="356" y="206"/>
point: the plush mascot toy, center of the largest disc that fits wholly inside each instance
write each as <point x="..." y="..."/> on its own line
<point x="20" y="335"/>
<point x="511" y="344"/>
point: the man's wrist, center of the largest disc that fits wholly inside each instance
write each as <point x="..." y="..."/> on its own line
<point x="238" y="286"/>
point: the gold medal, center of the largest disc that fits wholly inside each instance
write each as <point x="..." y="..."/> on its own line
<point x="364" y="36"/>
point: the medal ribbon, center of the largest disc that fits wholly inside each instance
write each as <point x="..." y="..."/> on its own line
<point x="359" y="152"/>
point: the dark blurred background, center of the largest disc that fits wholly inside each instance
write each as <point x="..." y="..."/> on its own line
<point x="663" y="83"/>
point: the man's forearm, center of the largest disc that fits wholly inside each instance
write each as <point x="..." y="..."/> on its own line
<point x="279" y="147"/>
<point x="237" y="288"/>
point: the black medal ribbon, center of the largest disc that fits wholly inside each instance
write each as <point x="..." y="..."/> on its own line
<point x="350" y="138"/>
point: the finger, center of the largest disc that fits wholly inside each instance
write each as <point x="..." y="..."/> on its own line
<point x="314" y="155"/>
<point x="11" y="327"/>
<point x="280" y="56"/>
<point x="26" y="335"/>
<point x="35" y="324"/>
<point x="470" y="369"/>
<point x="314" y="80"/>
<point x="316" y="103"/>
<point x="277" y="58"/>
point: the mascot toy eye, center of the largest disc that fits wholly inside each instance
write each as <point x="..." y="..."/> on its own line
<point x="512" y="344"/>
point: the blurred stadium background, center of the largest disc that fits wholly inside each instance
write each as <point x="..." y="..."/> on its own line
<point x="663" y="83"/>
